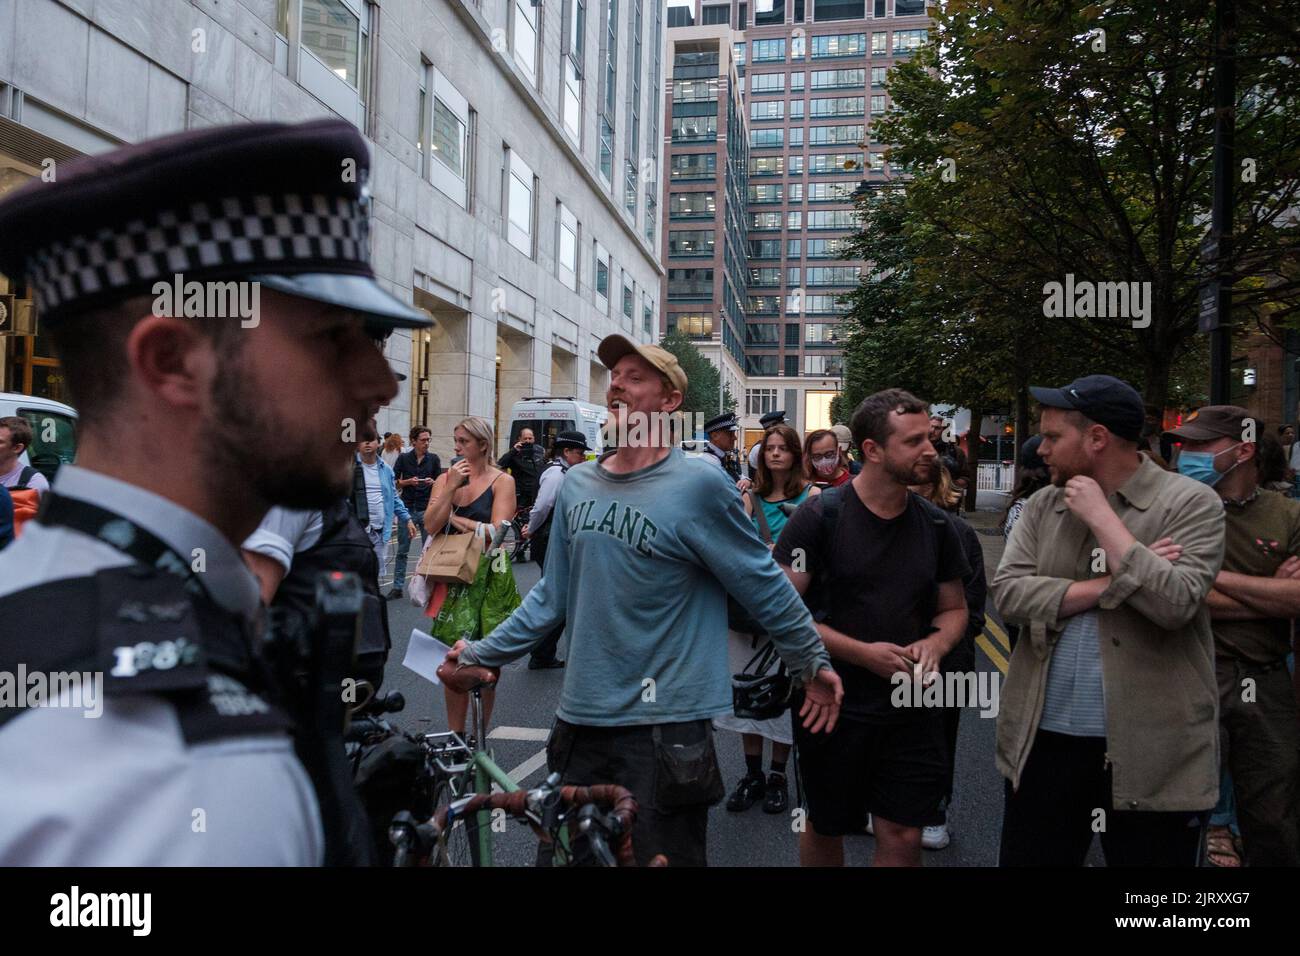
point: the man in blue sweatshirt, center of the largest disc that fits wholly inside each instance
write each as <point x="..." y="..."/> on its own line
<point x="644" y="546"/>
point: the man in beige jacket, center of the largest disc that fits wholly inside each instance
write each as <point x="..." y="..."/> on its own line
<point x="1109" y="714"/>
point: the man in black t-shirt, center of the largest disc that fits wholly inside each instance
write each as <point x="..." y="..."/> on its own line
<point x="888" y="600"/>
<point x="416" y="471"/>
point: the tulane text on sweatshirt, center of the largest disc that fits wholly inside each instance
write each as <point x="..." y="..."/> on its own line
<point x="637" y="570"/>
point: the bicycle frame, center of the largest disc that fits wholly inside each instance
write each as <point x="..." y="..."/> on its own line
<point x="484" y="772"/>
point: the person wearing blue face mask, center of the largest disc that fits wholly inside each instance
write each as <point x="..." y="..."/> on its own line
<point x="1255" y="596"/>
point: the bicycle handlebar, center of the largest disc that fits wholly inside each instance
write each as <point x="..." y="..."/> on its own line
<point x="620" y="801"/>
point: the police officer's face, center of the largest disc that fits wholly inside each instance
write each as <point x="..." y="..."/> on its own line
<point x="724" y="438"/>
<point x="308" y="375"/>
<point x="573" y="456"/>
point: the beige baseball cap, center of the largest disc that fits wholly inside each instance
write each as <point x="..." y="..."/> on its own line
<point x="843" y="436"/>
<point x="614" y="347"/>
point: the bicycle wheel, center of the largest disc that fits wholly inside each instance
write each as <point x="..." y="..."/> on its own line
<point x="513" y="541"/>
<point x="459" y="845"/>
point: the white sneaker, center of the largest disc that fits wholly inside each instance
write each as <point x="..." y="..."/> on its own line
<point x="870" y="829"/>
<point x="935" y="838"/>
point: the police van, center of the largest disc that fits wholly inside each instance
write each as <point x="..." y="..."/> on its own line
<point x="548" y="416"/>
<point x="54" y="430"/>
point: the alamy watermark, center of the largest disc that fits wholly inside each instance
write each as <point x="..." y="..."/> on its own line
<point x="1098" y="300"/>
<point x="76" y="690"/>
<point x="954" y="689"/>
<point x="213" y="300"/>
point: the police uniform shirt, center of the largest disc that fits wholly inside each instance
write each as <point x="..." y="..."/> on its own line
<point x="285" y="532"/>
<point x="124" y="788"/>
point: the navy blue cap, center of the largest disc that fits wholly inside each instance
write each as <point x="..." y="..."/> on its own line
<point x="772" y="418"/>
<point x="287" y="206"/>
<point x="724" y="422"/>
<point x="1105" y="399"/>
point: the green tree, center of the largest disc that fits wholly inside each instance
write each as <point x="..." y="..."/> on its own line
<point x="701" y="377"/>
<point x="1049" y="139"/>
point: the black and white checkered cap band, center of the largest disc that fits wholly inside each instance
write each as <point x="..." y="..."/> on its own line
<point x="266" y="232"/>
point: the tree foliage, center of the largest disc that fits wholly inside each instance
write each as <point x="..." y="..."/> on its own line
<point x="702" y="378"/>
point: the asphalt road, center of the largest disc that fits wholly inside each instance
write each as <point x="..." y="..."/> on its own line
<point x="525" y="709"/>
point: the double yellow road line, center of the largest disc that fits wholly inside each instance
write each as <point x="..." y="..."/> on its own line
<point x="992" y="652"/>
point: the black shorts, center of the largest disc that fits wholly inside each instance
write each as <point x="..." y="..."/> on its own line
<point x="895" y="771"/>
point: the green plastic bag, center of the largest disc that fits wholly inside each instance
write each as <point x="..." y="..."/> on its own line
<point x="471" y="611"/>
<point x="502" y="594"/>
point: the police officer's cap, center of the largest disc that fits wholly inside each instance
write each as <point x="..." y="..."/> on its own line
<point x="571" y="440"/>
<point x="285" y="205"/>
<point x="773" y="418"/>
<point x="724" y="422"/>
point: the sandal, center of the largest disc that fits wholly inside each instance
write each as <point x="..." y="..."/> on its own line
<point x="1222" y="848"/>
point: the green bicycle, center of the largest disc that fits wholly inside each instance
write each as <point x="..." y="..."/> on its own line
<point x="583" y="826"/>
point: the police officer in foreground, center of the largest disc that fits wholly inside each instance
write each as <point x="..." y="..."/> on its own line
<point x="722" y="442"/>
<point x="133" y="570"/>
<point x="570" y="449"/>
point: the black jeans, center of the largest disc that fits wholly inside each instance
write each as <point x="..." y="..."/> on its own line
<point x="627" y="756"/>
<point x="1065" y="796"/>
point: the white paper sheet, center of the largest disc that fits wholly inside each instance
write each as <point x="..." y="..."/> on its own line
<point x="423" y="655"/>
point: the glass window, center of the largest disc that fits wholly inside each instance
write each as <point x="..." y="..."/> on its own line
<point x="878" y="103"/>
<point x="769" y="50"/>
<point x="878" y="75"/>
<point x="824" y="305"/>
<point x="766" y="277"/>
<point x="796" y="82"/>
<point x="837" y="135"/>
<point x="796" y="136"/>
<point x="829" y="192"/>
<point x="826" y="163"/>
<point x="792" y="277"/>
<point x="448" y="138"/>
<point x="830" y="365"/>
<point x="761" y="333"/>
<point x="607" y="149"/>
<point x="879" y="13"/>
<point x="796" y="165"/>
<point x="602" y="275"/>
<point x="837" y="79"/>
<point x="694" y="166"/>
<point x="572" y="99"/>
<point x="333" y="33"/>
<point x="767" y="110"/>
<point x="792" y="248"/>
<point x="764" y="248"/>
<point x="833" y="219"/>
<point x="909" y="8"/>
<point x="794" y="220"/>
<point x="693" y="324"/>
<point x="826" y="248"/>
<point x="824" y="10"/>
<point x="760" y="364"/>
<point x="716" y="14"/>
<point x="798" y="47"/>
<point x="689" y="283"/>
<point x="791" y="366"/>
<point x="695" y="91"/>
<point x="766" y="138"/>
<point x="520" y="201"/>
<point x="763" y="305"/>
<point x="839" y="106"/>
<point x="767" y="82"/>
<point x="629" y="295"/>
<point x="766" y="165"/>
<point x="771" y="12"/>
<point x="738" y="53"/>
<point x="525" y="36"/>
<point x="568" y="246"/>
<point x="821" y="333"/>
<point x="764" y="221"/>
<point x="792" y="334"/>
<point x="687" y="129"/>
<point x="690" y="242"/>
<point x="842" y="44"/>
<point x="905" y="41"/>
<point x="796" y="109"/>
<point x="833" y="275"/>
<point x="692" y="205"/>
<point x="766" y="193"/>
<point x="879" y="43"/>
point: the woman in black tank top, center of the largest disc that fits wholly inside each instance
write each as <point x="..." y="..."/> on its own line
<point x="452" y="509"/>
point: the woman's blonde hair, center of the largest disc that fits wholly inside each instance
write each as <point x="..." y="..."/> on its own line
<point x="480" y="429"/>
<point x="393" y="442"/>
<point x="943" y="492"/>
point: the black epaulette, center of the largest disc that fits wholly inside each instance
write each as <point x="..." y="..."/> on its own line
<point x="139" y="631"/>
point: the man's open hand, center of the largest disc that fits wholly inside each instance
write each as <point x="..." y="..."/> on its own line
<point x="821" y="703"/>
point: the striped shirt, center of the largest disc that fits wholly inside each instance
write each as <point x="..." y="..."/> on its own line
<point x="1075" y="701"/>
